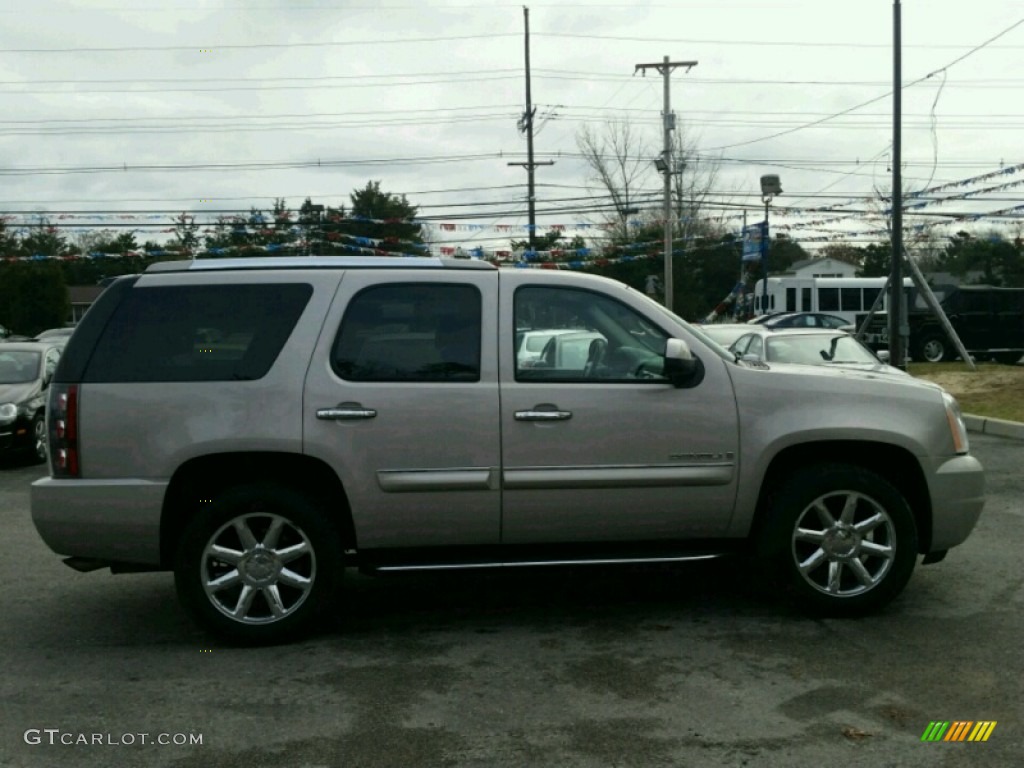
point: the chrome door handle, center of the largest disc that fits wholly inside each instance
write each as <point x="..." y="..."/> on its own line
<point x="345" y="412"/>
<point x="538" y="415"/>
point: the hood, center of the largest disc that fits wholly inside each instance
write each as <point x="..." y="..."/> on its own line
<point x="18" y="393"/>
<point x="879" y="372"/>
<point x="882" y="368"/>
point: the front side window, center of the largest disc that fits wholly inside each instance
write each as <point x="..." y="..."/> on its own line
<point x="740" y="345"/>
<point x="587" y="336"/>
<point x="755" y="347"/>
<point x="197" y="332"/>
<point x="410" y="332"/>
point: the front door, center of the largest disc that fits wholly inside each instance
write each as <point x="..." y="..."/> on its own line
<point x="597" y="445"/>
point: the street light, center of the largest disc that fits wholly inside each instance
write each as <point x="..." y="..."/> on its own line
<point x="770" y="187"/>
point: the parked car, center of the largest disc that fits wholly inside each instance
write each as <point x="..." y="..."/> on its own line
<point x="530" y="344"/>
<point x="54" y="334"/>
<point x="260" y="425"/>
<point x="761" y="319"/>
<point x="26" y="369"/>
<point x="570" y="352"/>
<point x="989" y="322"/>
<point x="804" y="320"/>
<point x="807" y="346"/>
<point x="725" y="333"/>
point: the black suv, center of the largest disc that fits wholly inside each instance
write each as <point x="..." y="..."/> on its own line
<point x="988" y="320"/>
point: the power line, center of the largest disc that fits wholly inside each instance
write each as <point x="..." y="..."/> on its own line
<point x="258" y="46"/>
<point x="957" y="60"/>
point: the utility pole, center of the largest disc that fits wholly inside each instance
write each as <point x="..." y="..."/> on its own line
<point x="526" y="125"/>
<point x="898" y="330"/>
<point x="666" y="165"/>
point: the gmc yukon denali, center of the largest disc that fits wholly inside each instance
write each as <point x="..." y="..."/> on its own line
<point x="257" y="426"/>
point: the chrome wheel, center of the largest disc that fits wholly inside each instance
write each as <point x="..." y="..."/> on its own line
<point x="842" y="538"/>
<point x="258" y="568"/>
<point x="844" y="543"/>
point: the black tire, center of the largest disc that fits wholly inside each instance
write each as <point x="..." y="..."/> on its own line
<point x="38" y="449"/>
<point x="933" y="348"/>
<point x="856" y="564"/>
<point x="279" y="583"/>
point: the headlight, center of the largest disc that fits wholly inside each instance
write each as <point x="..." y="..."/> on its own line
<point x="8" y="413"/>
<point x="957" y="428"/>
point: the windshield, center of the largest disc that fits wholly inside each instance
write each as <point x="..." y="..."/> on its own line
<point x="19" y="367"/>
<point x="818" y="349"/>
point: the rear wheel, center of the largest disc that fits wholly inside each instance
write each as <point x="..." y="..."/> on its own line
<point x="842" y="539"/>
<point x="933" y="348"/>
<point x="260" y="565"/>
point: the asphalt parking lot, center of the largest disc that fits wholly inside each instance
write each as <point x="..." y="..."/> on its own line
<point x="691" y="666"/>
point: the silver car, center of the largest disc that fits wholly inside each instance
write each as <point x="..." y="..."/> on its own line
<point x="258" y="426"/>
<point x="809" y="347"/>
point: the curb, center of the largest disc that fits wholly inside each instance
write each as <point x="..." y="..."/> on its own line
<point x="998" y="427"/>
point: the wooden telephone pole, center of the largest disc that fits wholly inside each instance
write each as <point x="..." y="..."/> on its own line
<point x="526" y="125"/>
<point x="666" y="166"/>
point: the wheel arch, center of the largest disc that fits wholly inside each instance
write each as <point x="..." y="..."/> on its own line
<point x="895" y="464"/>
<point x="201" y="478"/>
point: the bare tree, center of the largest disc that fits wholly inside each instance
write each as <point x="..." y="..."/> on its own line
<point x="620" y="164"/>
<point x="694" y="182"/>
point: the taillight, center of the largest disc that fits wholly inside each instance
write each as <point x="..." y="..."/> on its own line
<point x="63" y="430"/>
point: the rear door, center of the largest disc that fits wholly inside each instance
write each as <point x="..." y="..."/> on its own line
<point x="401" y="401"/>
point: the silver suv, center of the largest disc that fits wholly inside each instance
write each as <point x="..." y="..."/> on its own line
<point x="259" y="425"/>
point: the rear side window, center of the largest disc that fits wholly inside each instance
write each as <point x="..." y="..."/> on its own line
<point x="411" y="332"/>
<point x="197" y="333"/>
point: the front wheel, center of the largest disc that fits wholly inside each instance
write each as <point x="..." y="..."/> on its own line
<point x="259" y="566"/>
<point x="39" y="445"/>
<point x="842" y="539"/>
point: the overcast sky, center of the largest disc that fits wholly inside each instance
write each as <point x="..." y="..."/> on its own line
<point x="117" y="107"/>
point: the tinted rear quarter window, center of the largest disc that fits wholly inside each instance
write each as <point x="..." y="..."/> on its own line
<point x="197" y="333"/>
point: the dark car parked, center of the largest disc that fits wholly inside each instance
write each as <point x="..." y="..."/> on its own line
<point x="805" y="320"/>
<point x="55" y="334"/>
<point x="26" y="368"/>
<point x="988" y="320"/>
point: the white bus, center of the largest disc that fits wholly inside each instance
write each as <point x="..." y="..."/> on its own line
<point x="846" y="297"/>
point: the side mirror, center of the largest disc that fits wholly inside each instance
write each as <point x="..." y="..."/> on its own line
<point x="681" y="367"/>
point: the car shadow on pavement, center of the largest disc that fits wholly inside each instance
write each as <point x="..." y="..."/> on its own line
<point x="139" y="610"/>
<point x="551" y="596"/>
